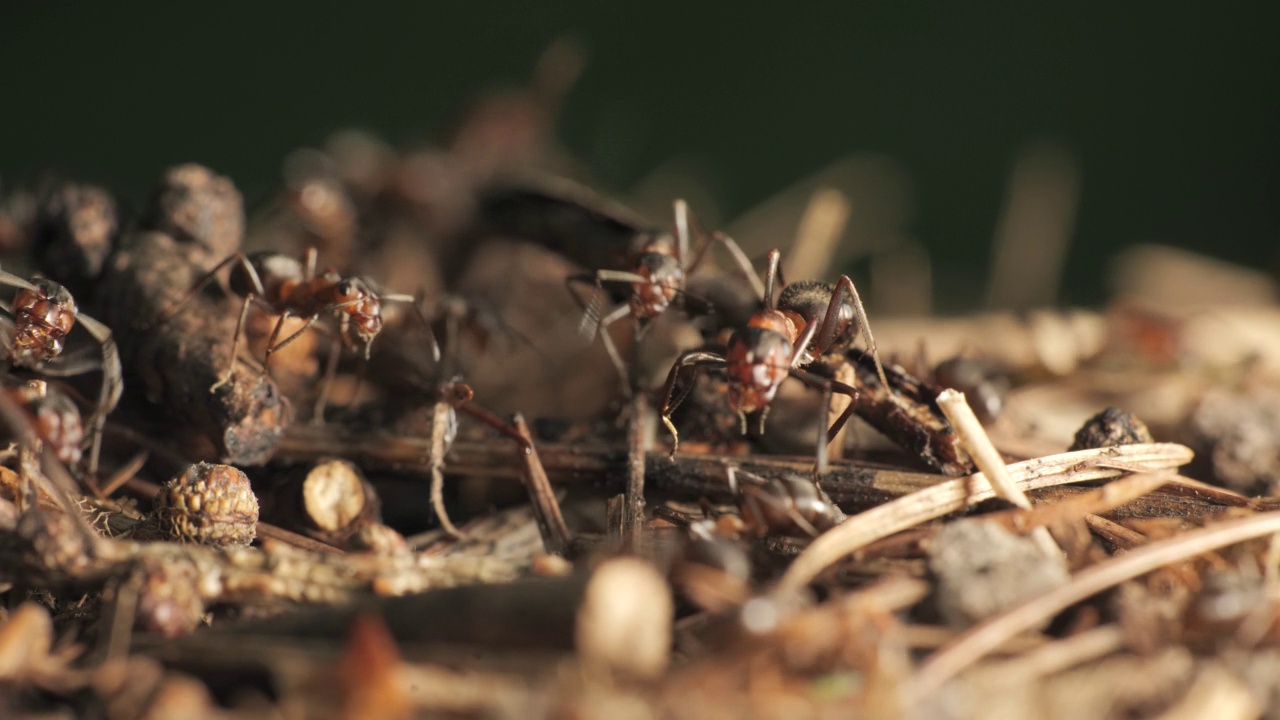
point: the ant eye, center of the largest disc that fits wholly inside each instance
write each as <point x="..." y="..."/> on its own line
<point x="344" y="287"/>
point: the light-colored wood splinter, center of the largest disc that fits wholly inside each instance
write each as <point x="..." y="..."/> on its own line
<point x="987" y="458"/>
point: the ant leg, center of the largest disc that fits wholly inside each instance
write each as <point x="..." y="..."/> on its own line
<point x="827" y="386"/>
<point x="827" y="332"/>
<point x="326" y="385"/>
<point x="208" y="277"/>
<point x="8" y="278"/>
<point x="273" y="347"/>
<point x="235" y="344"/>
<point x="771" y="278"/>
<point x="684" y="220"/>
<point x="112" y="386"/>
<point x="687" y="358"/>
<point x="624" y="373"/>
<point x="591" y="310"/>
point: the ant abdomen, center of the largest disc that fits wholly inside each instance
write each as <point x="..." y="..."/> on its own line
<point x="273" y="270"/>
<point x="809" y="300"/>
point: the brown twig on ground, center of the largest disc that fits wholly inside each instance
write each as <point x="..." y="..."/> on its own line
<point x="633" y="517"/>
<point x="546" y="509"/>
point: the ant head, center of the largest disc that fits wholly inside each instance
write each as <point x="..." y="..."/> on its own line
<point x="663" y="279"/>
<point x="758" y="360"/>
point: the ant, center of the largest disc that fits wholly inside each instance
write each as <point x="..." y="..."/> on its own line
<point x="785" y="505"/>
<point x="54" y="418"/>
<point x="659" y="269"/>
<point x="43" y="314"/>
<point x="808" y="319"/>
<point x="284" y="286"/>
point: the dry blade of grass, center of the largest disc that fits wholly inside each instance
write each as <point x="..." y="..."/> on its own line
<point x="1109" y="496"/>
<point x="954" y="495"/>
<point x="990" y="634"/>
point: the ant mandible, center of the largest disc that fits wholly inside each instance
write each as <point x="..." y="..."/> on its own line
<point x="284" y="286"/>
<point x="808" y="319"/>
<point x="658" y="271"/>
<point x="43" y="315"/>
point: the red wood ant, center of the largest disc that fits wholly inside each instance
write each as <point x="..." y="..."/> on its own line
<point x="285" y="286"/>
<point x="658" y="271"/>
<point x="787" y="505"/>
<point x="808" y="319"/>
<point x="54" y="418"/>
<point x="43" y="315"/>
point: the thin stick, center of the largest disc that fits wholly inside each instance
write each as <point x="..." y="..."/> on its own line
<point x="974" y="644"/>
<point x="633" y="517"/>
<point x="1118" y="535"/>
<point x="546" y="509"/>
<point x="984" y="454"/>
<point x="821" y="226"/>
<point x="954" y="495"/>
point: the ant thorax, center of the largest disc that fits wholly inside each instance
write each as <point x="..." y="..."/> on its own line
<point x="757" y="361"/>
<point x="663" y="278"/>
<point x="42" y="318"/>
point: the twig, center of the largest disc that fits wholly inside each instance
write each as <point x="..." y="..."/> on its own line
<point x="984" y="637"/>
<point x="546" y="509"/>
<point x="1118" y="535"/>
<point x="633" y="517"/>
<point x="954" y="495"/>
<point x="976" y="442"/>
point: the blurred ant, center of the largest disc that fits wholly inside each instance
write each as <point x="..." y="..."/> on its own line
<point x="54" y="418"/>
<point x="285" y="286"/>
<point x="809" y="319"/>
<point x="43" y="314"/>
<point x="658" y="272"/>
<point x="983" y="384"/>
<point x="785" y="505"/>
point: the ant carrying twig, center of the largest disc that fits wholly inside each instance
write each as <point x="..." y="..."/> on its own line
<point x="658" y="271"/>
<point x="809" y="319"/>
<point x="43" y="314"/>
<point x="284" y="286"/>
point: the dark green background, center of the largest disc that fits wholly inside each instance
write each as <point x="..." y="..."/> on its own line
<point x="1171" y="108"/>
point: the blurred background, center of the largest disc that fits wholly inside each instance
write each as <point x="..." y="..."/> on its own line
<point x="1142" y="124"/>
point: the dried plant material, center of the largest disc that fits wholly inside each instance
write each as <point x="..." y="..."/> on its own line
<point x="983" y="569"/>
<point x="208" y="504"/>
<point x="988" y="460"/>
<point x="983" y="638"/>
<point x="1054" y="657"/>
<point x="954" y="495"/>
<point x="546" y="508"/>
<point x="195" y="205"/>
<point x="624" y="622"/>
<point x="1101" y="500"/>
